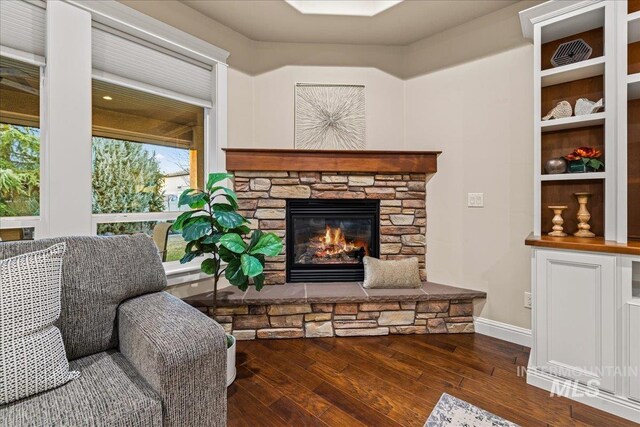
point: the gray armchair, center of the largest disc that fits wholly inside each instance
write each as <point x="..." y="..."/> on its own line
<point x="145" y="357"/>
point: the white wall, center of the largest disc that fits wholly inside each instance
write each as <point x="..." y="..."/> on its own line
<point x="261" y="108"/>
<point x="479" y="115"/>
<point x="240" y="107"/>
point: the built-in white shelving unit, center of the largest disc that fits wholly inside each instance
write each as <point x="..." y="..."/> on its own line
<point x="593" y="78"/>
<point x="586" y="292"/>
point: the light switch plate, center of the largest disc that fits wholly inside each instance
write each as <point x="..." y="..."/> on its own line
<point x="475" y="200"/>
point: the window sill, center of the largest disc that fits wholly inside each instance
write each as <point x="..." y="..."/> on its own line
<point x="179" y="274"/>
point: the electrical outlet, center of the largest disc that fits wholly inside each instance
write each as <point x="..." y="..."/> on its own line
<point x="475" y="200"/>
<point x="527" y="299"/>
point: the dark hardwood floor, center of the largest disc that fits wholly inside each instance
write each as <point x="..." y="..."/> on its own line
<point x="391" y="381"/>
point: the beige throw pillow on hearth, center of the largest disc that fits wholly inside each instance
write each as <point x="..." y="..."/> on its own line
<point x="381" y="274"/>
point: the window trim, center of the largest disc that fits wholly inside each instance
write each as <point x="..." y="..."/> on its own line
<point x="37" y="222"/>
<point x="174" y="268"/>
<point x="132" y="217"/>
<point x="10" y="222"/>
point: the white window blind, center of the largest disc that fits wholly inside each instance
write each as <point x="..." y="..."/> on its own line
<point x="125" y="56"/>
<point x="23" y="26"/>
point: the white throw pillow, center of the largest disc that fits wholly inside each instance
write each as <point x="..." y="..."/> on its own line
<point x="32" y="355"/>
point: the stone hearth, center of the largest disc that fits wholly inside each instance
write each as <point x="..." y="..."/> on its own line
<point x="340" y="309"/>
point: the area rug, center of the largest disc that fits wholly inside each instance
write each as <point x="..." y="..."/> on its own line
<point x="453" y="412"/>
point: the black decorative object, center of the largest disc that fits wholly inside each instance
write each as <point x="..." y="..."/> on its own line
<point x="571" y="52"/>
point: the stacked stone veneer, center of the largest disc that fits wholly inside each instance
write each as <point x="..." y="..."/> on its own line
<point x="262" y="199"/>
<point x="247" y="322"/>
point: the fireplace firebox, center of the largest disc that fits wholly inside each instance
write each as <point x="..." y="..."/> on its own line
<point x="327" y="239"/>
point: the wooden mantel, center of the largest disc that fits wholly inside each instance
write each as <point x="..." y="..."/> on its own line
<point x="256" y="159"/>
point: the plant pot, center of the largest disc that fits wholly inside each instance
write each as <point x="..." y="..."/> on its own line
<point x="231" y="361"/>
<point x="578" y="166"/>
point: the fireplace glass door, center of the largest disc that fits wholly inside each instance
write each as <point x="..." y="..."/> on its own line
<point x="327" y="239"/>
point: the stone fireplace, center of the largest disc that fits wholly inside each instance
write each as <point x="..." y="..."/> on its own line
<point x="333" y="207"/>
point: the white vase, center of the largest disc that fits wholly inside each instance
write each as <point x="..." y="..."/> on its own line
<point x="231" y="361"/>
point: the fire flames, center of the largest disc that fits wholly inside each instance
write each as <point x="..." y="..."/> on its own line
<point x="331" y="247"/>
<point x="334" y="243"/>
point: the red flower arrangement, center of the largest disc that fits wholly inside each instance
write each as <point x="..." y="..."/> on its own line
<point x="588" y="156"/>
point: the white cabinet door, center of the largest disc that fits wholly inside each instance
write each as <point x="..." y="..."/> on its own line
<point x="575" y="316"/>
<point x="634" y="350"/>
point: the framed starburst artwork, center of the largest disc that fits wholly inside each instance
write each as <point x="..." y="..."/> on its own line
<point x="329" y="117"/>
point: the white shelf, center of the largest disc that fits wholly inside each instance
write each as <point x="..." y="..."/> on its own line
<point x="567" y="73"/>
<point x="572" y="122"/>
<point x="576" y="24"/>
<point x="633" y="29"/>
<point x="573" y="176"/>
<point x="633" y="86"/>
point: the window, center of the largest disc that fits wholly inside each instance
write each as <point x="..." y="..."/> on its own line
<point x="19" y="148"/>
<point x="146" y="150"/>
<point x="105" y="118"/>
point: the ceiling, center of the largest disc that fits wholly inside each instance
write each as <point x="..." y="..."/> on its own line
<point x="402" y="24"/>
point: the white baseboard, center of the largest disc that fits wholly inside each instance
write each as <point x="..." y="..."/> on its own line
<point x="503" y="331"/>
<point x="604" y="401"/>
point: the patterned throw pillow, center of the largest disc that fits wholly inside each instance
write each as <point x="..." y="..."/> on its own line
<point x="404" y="273"/>
<point x="32" y="355"/>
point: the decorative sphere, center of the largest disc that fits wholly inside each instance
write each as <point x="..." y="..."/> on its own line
<point x="555" y="166"/>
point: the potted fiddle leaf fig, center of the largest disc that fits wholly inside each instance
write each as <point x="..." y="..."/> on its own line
<point x="214" y="229"/>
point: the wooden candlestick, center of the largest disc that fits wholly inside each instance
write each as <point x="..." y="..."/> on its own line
<point x="557" y="221"/>
<point x="583" y="216"/>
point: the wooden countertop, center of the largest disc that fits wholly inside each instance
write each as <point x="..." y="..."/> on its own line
<point x="596" y="244"/>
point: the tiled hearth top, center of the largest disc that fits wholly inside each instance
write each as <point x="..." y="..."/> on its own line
<point x="351" y="292"/>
